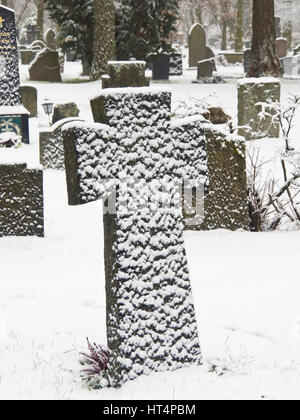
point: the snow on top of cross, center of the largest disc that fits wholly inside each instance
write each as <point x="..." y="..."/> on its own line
<point x="83" y="124"/>
<point x="258" y="80"/>
<point x="133" y="91"/>
<point x="126" y="62"/>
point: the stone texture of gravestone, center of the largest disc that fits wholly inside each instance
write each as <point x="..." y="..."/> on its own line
<point x="176" y="66"/>
<point x="29" y="99"/>
<point x="27" y="56"/>
<point x="51" y="145"/>
<point x="226" y="204"/>
<point x="50" y="40"/>
<point x="160" y="66"/>
<point x="125" y="74"/>
<point x="247" y="60"/>
<point x="282" y="47"/>
<point x="63" y="111"/>
<point x="151" y="324"/>
<point x="277" y="27"/>
<point x="197" y="45"/>
<point x="252" y="93"/>
<point x="287" y="65"/>
<point x="45" y="67"/>
<point x="13" y="116"/>
<point x="21" y="204"/>
<point x="206" y="68"/>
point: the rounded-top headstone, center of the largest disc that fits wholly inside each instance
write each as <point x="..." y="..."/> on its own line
<point x="197" y="44"/>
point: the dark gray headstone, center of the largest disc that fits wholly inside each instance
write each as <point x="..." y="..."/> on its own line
<point x="160" y="66"/>
<point x="46" y="67"/>
<point x="206" y="68"/>
<point x="50" y="40"/>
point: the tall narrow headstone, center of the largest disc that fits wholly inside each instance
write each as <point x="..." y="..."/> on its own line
<point x="277" y="26"/>
<point x="13" y="116"/>
<point x="197" y="45"/>
<point x="50" y="40"/>
<point x="282" y="47"/>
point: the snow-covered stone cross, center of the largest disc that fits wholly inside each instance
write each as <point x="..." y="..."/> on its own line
<point x="135" y="162"/>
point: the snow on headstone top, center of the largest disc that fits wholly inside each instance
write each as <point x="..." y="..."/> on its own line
<point x="9" y="75"/>
<point x="258" y="80"/>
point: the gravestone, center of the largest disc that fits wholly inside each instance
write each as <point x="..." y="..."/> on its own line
<point x="50" y="40"/>
<point x="277" y="27"/>
<point x="226" y="204"/>
<point x="13" y="116"/>
<point x="29" y="99"/>
<point x="282" y="47"/>
<point x="51" y="145"/>
<point x="160" y="66"/>
<point x="209" y="52"/>
<point x="45" y="67"/>
<point x="205" y="68"/>
<point x="125" y="74"/>
<point x="151" y="324"/>
<point x="22" y="203"/>
<point x="63" y="111"/>
<point x="197" y="45"/>
<point x="253" y="95"/>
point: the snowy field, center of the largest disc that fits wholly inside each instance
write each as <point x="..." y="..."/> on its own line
<point x="246" y="289"/>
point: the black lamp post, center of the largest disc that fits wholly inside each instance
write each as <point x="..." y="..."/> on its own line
<point x="48" y="108"/>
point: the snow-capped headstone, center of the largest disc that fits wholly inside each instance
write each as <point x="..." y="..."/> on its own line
<point x="45" y="67"/>
<point x="13" y="116"/>
<point x="125" y="74"/>
<point x="255" y="112"/>
<point x="205" y="68"/>
<point x="282" y="47"/>
<point x="197" y="45"/>
<point x="151" y="323"/>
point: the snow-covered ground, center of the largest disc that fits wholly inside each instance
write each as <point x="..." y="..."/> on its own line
<point x="246" y="289"/>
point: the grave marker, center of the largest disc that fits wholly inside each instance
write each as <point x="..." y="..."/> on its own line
<point x="197" y="45"/>
<point x="13" y="116"/>
<point x="151" y="324"/>
<point x="282" y="47"/>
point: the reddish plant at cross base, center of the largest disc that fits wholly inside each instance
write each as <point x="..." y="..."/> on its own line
<point x="96" y="361"/>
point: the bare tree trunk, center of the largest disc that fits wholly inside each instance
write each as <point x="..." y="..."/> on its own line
<point x="40" y="18"/>
<point x="104" y="37"/>
<point x="265" y="61"/>
<point x="239" y="32"/>
<point x="224" y="36"/>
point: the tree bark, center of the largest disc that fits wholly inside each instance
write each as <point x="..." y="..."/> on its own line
<point x="265" y="61"/>
<point x="224" y="37"/>
<point x="104" y="37"/>
<point x="239" y="32"/>
<point x="40" y="19"/>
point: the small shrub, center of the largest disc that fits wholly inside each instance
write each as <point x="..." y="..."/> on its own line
<point x="95" y="364"/>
